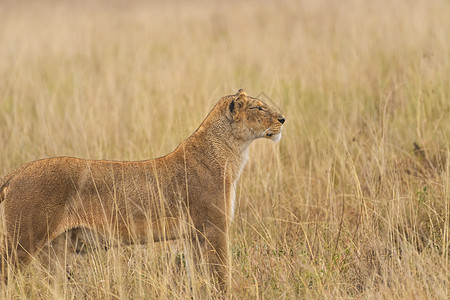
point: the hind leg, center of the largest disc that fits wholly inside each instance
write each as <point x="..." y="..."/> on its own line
<point x="20" y="248"/>
<point x="12" y="255"/>
<point x="25" y="235"/>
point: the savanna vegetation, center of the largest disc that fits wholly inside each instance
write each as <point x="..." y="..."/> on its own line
<point x="353" y="202"/>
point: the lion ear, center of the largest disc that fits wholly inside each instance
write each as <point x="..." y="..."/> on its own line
<point x="241" y="92"/>
<point x="237" y="104"/>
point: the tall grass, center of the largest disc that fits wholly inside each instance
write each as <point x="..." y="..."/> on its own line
<point x="352" y="203"/>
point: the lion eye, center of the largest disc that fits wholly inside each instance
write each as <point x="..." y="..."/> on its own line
<point x="257" y="107"/>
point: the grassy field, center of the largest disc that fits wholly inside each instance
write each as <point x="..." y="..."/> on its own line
<point x="353" y="202"/>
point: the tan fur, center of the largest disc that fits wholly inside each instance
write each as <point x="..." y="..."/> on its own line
<point x="135" y="201"/>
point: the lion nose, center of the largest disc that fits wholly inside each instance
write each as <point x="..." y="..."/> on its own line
<point x="281" y="120"/>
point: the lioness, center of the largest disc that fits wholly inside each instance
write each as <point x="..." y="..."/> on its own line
<point x="135" y="201"/>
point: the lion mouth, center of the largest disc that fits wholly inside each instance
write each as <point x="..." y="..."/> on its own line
<point x="273" y="135"/>
<point x="270" y="132"/>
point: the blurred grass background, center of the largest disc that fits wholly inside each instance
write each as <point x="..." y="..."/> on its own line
<point x="352" y="203"/>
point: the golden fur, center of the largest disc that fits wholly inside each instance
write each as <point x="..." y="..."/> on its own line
<point x="134" y="201"/>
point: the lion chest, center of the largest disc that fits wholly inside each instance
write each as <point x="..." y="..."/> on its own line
<point x="232" y="192"/>
<point x="232" y="200"/>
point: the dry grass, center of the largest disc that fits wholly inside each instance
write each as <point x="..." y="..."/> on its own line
<point x="352" y="203"/>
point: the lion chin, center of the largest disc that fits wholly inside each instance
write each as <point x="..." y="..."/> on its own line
<point x="276" y="137"/>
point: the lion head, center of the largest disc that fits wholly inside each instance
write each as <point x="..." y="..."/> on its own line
<point x="251" y="118"/>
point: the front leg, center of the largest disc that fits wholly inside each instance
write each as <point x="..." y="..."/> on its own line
<point x="209" y="214"/>
<point x="212" y="239"/>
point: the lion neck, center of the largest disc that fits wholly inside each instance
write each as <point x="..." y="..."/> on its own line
<point x="215" y="141"/>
